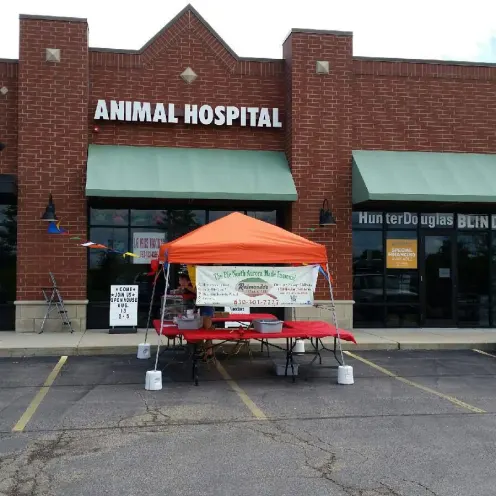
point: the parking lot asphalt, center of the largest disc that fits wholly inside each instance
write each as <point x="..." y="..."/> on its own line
<point x="413" y="424"/>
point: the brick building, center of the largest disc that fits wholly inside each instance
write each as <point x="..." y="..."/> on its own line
<point x="402" y="150"/>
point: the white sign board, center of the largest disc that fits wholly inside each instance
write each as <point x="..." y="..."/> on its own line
<point x="255" y="286"/>
<point x="219" y="115"/>
<point x="237" y="310"/>
<point x="146" y="246"/>
<point x="123" y="306"/>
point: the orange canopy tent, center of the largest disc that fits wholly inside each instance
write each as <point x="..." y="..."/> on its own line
<point x="239" y="239"/>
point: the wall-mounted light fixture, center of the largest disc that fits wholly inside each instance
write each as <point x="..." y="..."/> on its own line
<point x="49" y="214"/>
<point x="325" y="217"/>
<point x="2" y="146"/>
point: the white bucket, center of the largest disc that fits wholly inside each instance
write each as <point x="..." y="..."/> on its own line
<point x="345" y="375"/>
<point x="153" y="380"/>
<point x="299" y="347"/>
<point x="144" y="351"/>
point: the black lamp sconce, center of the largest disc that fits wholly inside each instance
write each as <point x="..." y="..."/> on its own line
<point x="49" y="215"/>
<point x="325" y="217"/>
<point x="2" y="146"/>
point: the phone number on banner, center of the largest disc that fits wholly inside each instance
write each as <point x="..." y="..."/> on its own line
<point x="251" y="302"/>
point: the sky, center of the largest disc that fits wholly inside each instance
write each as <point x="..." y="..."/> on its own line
<point x="422" y="29"/>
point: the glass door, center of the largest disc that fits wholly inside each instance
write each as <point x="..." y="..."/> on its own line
<point x="438" y="279"/>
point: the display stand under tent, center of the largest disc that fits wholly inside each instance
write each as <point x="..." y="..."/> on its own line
<point x="237" y="239"/>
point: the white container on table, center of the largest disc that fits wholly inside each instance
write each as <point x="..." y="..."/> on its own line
<point x="267" y="326"/>
<point x="189" y="324"/>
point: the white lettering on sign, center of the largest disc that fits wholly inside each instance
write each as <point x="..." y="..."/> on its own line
<point x="135" y="111"/>
<point x="146" y="246"/>
<point x="409" y="219"/>
<point x="369" y="218"/>
<point x="469" y="221"/>
<point x="123" y="306"/>
<point x="437" y="220"/>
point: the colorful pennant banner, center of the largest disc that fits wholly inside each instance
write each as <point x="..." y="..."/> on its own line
<point x="55" y="228"/>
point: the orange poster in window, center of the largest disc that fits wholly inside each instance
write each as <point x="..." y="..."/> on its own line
<point x="401" y="254"/>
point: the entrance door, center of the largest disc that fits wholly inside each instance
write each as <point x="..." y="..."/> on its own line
<point x="437" y="279"/>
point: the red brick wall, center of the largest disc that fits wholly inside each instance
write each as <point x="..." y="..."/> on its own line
<point x="52" y="153"/>
<point x="424" y="106"/>
<point x="154" y="76"/>
<point x="8" y="117"/>
<point x="320" y="146"/>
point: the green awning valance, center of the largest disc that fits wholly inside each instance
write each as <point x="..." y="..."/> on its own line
<point x="189" y="173"/>
<point x="424" y="176"/>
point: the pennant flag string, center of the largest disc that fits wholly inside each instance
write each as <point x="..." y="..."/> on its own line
<point x="55" y="228"/>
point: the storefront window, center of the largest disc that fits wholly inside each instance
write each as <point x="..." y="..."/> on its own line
<point x="149" y="218"/>
<point x="368" y="315"/>
<point x="109" y="217"/>
<point x="270" y="216"/>
<point x="138" y="231"/>
<point x="368" y="278"/>
<point x="218" y="214"/>
<point x="181" y="222"/>
<point x="473" y="279"/>
<point x="8" y="244"/>
<point x="368" y="252"/>
<point x="402" y="316"/>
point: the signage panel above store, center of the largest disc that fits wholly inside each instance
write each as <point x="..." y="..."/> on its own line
<point x="408" y="220"/>
<point x="134" y="111"/>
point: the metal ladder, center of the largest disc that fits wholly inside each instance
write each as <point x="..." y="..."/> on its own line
<point x="54" y="300"/>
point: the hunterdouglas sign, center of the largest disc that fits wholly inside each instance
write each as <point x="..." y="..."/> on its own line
<point x="127" y="111"/>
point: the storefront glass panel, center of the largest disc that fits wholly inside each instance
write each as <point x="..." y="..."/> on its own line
<point x="8" y="250"/>
<point x="434" y="269"/>
<point x="269" y="216"/>
<point x="138" y="231"/>
<point x="109" y="217"/>
<point x="438" y="279"/>
<point x="473" y="279"/>
<point x="368" y="277"/>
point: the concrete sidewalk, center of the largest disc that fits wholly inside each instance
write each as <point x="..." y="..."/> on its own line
<point x="102" y="343"/>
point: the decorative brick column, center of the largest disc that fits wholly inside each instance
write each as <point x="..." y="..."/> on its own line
<point x="319" y="102"/>
<point x="53" y="120"/>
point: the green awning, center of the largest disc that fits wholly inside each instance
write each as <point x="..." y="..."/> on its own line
<point x="188" y="173"/>
<point x="424" y="176"/>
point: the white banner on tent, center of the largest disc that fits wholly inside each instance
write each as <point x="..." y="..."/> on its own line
<point x="255" y="286"/>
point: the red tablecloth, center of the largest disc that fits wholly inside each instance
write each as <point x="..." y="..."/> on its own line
<point x="301" y="331"/>
<point x="168" y="329"/>
<point x="317" y="325"/>
<point x="304" y="329"/>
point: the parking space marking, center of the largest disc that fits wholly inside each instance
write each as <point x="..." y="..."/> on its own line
<point x="426" y="389"/>
<point x="33" y="406"/>
<point x="484" y="353"/>
<point x="257" y="413"/>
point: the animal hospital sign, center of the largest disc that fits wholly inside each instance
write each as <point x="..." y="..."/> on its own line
<point x="219" y="115"/>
